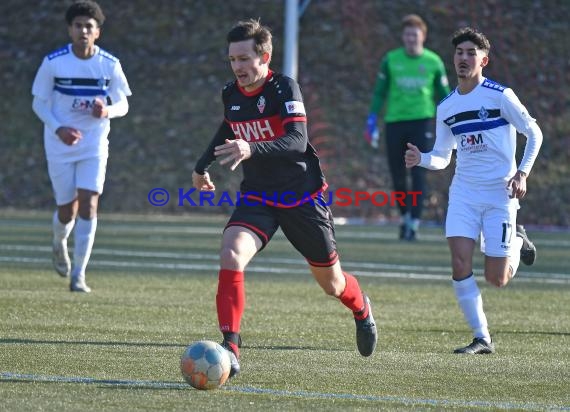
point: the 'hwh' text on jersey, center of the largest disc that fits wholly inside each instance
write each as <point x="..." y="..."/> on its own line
<point x="258" y="130"/>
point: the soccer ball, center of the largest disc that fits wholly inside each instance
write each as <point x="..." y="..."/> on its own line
<point x="205" y="365"/>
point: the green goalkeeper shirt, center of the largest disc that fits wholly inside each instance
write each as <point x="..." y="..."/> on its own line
<point x="409" y="85"/>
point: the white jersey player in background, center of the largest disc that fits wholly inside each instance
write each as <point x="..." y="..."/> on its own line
<point x="77" y="89"/>
<point x="480" y="119"/>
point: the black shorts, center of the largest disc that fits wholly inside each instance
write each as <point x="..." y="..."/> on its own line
<point x="309" y="227"/>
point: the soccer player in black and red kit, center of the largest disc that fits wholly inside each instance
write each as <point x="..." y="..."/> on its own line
<point x="265" y="129"/>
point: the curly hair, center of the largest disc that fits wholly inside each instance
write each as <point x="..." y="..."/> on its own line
<point x="87" y="8"/>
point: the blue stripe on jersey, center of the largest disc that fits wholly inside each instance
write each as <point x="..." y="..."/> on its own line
<point x="493" y="85"/>
<point x="62" y="51"/>
<point x="80" y="92"/>
<point x="478" y="126"/>
<point x="107" y="55"/>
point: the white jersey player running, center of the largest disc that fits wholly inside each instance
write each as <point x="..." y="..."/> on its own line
<point x="77" y="89"/>
<point x="480" y="119"/>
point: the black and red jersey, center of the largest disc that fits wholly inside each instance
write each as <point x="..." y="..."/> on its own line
<point x="273" y="119"/>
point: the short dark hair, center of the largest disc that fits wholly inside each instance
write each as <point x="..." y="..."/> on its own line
<point x="87" y="8"/>
<point x="252" y="29"/>
<point x="472" y="35"/>
<point x="413" y="20"/>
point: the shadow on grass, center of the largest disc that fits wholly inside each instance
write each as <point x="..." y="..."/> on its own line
<point x="495" y="332"/>
<point x="11" y="341"/>
<point x="530" y="332"/>
<point x="290" y="347"/>
<point x="8" y="341"/>
<point x="6" y="377"/>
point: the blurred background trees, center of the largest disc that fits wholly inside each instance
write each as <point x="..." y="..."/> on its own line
<point x="174" y="55"/>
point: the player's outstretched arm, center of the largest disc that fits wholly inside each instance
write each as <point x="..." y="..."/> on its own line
<point x="434" y="160"/>
<point x="440" y="156"/>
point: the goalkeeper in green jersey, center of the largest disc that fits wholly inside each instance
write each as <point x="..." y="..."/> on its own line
<point x="410" y="81"/>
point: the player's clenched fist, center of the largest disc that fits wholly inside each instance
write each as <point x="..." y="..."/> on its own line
<point x="202" y="182"/>
<point x="99" y="109"/>
<point x="68" y="135"/>
<point x="413" y="156"/>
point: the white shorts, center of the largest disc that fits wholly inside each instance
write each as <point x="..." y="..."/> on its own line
<point x="495" y="223"/>
<point x="66" y="178"/>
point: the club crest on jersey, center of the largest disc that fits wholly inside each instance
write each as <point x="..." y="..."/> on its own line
<point x="261" y="104"/>
<point x="483" y="114"/>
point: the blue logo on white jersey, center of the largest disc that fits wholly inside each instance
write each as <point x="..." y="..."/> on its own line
<point x="483" y="114"/>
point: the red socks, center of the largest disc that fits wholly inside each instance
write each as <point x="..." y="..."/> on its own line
<point x="230" y="300"/>
<point x="352" y="297"/>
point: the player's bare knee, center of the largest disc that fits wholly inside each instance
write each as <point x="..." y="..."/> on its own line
<point x="87" y="214"/>
<point x="88" y="203"/>
<point x="66" y="213"/>
<point x="501" y="283"/>
<point x="65" y="217"/>
<point x="460" y="266"/>
<point x="329" y="281"/>
<point x="497" y="280"/>
<point x="230" y="258"/>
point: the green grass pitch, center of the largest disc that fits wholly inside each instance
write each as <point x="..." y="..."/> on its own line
<point x="154" y="283"/>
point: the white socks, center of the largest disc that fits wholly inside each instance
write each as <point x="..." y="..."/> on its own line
<point x="84" y="238"/>
<point x="469" y="298"/>
<point x="61" y="231"/>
